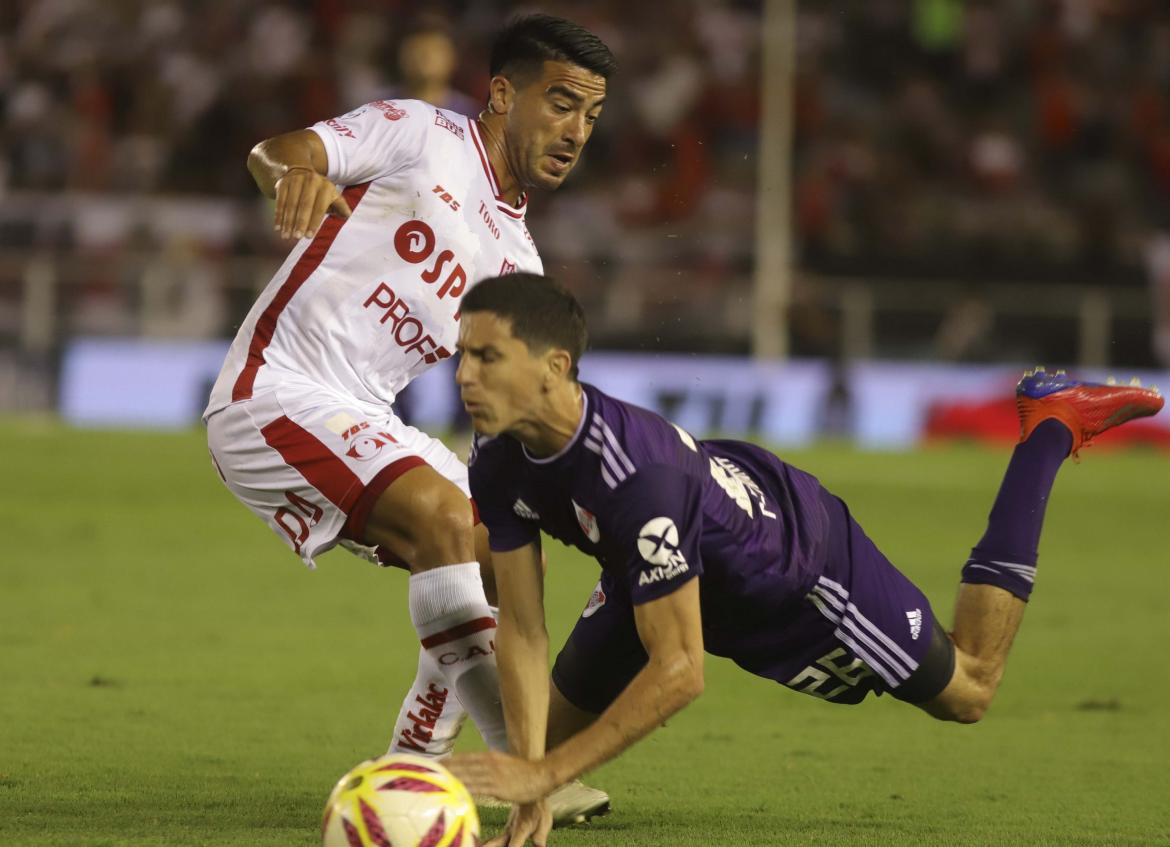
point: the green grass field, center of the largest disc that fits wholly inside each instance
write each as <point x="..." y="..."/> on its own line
<point x="171" y="674"/>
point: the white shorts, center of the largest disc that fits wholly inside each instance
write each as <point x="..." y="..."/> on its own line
<point x="307" y="463"/>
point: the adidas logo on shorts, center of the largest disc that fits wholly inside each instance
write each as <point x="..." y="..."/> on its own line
<point x="915" y="620"/>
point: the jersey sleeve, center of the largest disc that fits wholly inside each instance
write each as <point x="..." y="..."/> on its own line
<point x="375" y="140"/>
<point x="495" y="490"/>
<point x="657" y="520"/>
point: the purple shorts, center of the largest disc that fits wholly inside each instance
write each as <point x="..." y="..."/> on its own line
<point x="861" y="627"/>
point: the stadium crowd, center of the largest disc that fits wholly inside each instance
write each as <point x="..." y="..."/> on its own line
<point x="1015" y="139"/>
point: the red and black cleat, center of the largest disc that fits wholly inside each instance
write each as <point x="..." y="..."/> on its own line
<point x="1086" y="408"/>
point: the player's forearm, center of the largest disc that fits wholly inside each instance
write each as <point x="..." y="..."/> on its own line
<point x="522" y="659"/>
<point x="273" y="158"/>
<point x="659" y="690"/>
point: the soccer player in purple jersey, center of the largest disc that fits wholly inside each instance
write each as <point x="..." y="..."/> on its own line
<point x="789" y="586"/>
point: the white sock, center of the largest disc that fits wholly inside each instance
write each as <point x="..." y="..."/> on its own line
<point x="455" y="624"/>
<point x="431" y="715"/>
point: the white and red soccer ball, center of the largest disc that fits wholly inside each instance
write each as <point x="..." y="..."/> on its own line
<point x="400" y="801"/>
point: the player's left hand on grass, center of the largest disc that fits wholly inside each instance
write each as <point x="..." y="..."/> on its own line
<point x="500" y="775"/>
<point x="525" y="821"/>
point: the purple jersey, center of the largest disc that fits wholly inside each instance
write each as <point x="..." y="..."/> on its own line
<point x="658" y="507"/>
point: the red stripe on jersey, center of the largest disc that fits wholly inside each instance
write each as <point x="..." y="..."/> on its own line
<point x="314" y="461"/>
<point x="306" y="264"/>
<point x="501" y="203"/>
<point x="457" y="632"/>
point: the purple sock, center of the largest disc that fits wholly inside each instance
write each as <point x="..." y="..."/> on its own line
<point x="1006" y="555"/>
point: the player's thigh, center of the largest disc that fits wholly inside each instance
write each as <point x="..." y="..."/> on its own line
<point x="312" y="466"/>
<point x="602" y="653"/>
<point x="880" y="616"/>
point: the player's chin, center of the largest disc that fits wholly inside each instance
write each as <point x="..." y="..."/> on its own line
<point x="483" y="423"/>
<point x="548" y="181"/>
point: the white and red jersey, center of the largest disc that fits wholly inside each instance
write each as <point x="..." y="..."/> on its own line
<point x="372" y="301"/>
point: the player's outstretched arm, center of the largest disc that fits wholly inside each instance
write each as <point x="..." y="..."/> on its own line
<point x="291" y="168"/>
<point x="672" y="633"/>
<point x="522" y="661"/>
<point x="671" y="630"/>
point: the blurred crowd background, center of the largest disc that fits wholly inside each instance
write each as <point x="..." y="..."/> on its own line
<point x="972" y="181"/>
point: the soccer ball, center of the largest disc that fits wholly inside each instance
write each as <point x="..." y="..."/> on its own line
<point x="400" y="801"/>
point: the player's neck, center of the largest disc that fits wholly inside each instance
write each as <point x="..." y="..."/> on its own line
<point x="553" y="426"/>
<point x="492" y="130"/>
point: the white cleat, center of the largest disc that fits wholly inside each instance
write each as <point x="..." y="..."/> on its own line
<point x="575" y="802"/>
<point x="572" y="803"/>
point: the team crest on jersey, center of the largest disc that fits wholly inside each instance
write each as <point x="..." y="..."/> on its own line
<point x="507" y="268"/>
<point x="588" y="522"/>
<point x="389" y="110"/>
<point x="596" y="601"/>
<point x="448" y="124"/>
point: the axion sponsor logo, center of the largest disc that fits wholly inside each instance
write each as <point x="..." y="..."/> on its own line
<point x="389" y="109"/>
<point x="658" y="545"/>
<point x="507" y="268"/>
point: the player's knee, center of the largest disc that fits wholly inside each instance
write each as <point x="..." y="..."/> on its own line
<point x="969" y="712"/>
<point x="445" y="533"/>
<point x="968" y="695"/>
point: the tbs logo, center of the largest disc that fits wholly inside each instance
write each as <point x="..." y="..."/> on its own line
<point x="365" y="443"/>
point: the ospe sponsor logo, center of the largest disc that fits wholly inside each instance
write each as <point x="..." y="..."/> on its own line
<point x="415" y="242"/>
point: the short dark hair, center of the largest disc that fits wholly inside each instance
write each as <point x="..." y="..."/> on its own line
<point x="543" y="315"/>
<point x="529" y="40"/>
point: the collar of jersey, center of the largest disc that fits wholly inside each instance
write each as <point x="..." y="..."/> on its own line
<point x="511" y="211"/>
<point x="547" y="460"/>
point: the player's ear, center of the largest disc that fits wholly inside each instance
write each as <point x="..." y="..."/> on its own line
<point x="559" y="363"/>
<point x="501" y="93"/>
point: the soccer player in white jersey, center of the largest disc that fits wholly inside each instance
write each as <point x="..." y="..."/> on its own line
<point x="398" y="208"/>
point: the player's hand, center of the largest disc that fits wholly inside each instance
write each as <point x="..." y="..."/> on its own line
<point x="303" y="197"/>
<point x="500" y="775"/>
<point x="525" y="821"/>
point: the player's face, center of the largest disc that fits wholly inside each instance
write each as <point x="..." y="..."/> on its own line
<point x="499" y="378"/>
<point x="550" y="119"/>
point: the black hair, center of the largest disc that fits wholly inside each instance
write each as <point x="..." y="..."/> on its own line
<point x="543" y="315"/>
<point x="529" y="40"/>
